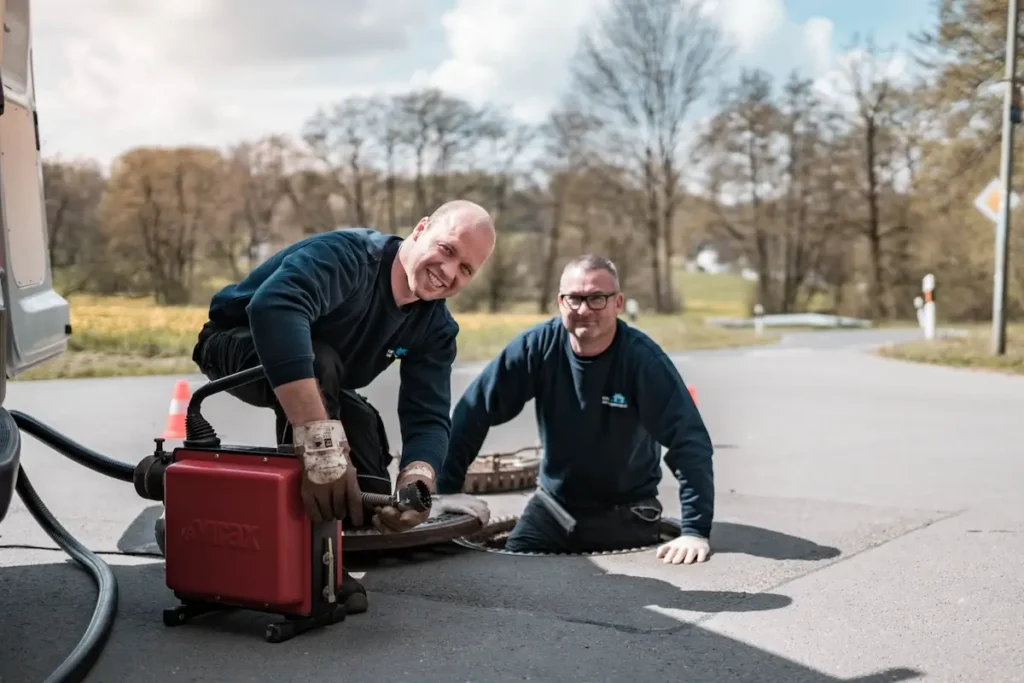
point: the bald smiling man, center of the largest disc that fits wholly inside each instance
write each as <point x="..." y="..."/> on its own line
<point x="327" y="315"/>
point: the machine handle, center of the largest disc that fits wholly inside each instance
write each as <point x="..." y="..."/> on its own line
<point x="220" y="384"/>
<point x="199" y="432"/>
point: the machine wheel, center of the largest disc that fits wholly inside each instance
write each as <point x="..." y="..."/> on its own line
<point x="174" y="617"/>
<point x="279" y="632"/>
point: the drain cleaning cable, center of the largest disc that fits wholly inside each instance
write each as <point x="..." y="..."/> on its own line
<point x="79" y="663"/>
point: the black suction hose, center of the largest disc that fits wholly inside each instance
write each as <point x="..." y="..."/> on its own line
<point x="72" y="449"/>
<point x="81" y="660"/>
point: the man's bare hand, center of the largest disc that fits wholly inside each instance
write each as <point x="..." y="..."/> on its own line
<point x="392" y="520"/>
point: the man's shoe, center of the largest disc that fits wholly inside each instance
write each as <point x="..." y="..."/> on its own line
<point x="352" y="594"/>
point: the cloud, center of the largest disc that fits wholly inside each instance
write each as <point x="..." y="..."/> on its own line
<point x="204" y="71"/>
<point x="516" y="53"/>
<point x="749" y="24"/>
<point x="858" y="67"/>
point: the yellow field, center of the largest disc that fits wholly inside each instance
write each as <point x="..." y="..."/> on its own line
<point x="123" y="336"/>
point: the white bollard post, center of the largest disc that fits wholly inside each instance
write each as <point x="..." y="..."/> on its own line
<point x="919" y="305"/>
<point x="928" y="285"/>
<point x="758" y="319"/>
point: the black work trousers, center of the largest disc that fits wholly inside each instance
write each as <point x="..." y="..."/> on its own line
<point x="220" y="352"/>
<point x="616" y="528"/>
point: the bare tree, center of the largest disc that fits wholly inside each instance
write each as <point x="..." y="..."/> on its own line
<point x="872" y="91"/>
<point x="567" y="153"/>
<point x="256" y="173"/>
<point x="744" y="169"/>
<point x="442" y="133"/>
<point x="73" y="192"/>
<point x="158" y="207"/>
<point x="639" y="72"/>
<point x="345" y="143"/>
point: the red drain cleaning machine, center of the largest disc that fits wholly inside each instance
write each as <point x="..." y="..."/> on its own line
<point x="237" y="534"/>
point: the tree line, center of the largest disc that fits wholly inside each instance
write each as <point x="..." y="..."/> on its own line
<point x="837" y="202"/>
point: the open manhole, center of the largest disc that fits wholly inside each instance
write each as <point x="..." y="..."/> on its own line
<point x="501" y="472"/>
<point x="492" y="538"/>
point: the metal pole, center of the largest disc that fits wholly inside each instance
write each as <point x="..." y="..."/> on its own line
<point x="1006" y="176"/>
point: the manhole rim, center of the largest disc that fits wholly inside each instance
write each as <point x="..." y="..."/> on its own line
<point x="669" y="528"/>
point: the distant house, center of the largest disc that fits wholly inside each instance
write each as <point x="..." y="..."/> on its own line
<point x="716" y="259"/>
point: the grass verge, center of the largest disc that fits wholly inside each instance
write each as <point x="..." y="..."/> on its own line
<point x="971" y="351"/>
<point x="119" y="337"/>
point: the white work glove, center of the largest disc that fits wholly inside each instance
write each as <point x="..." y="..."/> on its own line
<point x="685" y="550"/>
<point x="461" y="503"/>
<point x="329" y="485"/>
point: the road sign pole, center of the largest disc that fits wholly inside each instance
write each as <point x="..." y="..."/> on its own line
<point x="1006" y="176"/>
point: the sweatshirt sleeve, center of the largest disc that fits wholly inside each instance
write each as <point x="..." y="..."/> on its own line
<point x="668" y="412"/>
<point x="425" y="399"/>
<point x="309" y="283"/>
<point x="494" y="397"/>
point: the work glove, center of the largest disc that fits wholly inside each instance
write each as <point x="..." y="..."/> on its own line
<point x="390" y="519"/>
<point x="685" y="550"/>
<point x="462" y="504"/>
<point x="329" y="485"/>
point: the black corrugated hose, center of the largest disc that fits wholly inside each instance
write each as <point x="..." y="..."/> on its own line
<point x="81" y="660"/>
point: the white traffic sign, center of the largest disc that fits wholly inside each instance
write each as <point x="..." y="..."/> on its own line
<point x="988" y="201"/>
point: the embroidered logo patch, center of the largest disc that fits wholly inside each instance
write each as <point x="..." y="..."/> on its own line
<point x="615" y="401"/>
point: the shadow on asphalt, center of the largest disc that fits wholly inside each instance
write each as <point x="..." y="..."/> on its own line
<point x="46" y="609"/>
<point x="572" y="601"/>
<point x="730" y="537"/>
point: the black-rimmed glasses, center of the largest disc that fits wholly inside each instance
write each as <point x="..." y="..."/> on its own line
<point x="595" y="302"/>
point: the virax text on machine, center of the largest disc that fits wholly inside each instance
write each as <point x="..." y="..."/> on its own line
<point x="236" y="532"/>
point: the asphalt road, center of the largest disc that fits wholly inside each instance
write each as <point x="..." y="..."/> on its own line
<point x="869" y="528"/>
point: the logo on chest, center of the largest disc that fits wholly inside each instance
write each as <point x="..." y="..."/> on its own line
<point x="615" y="401"/>
<point x="396" y="352"/>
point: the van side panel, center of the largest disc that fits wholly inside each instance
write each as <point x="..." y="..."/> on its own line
<point x="38" y="318"/>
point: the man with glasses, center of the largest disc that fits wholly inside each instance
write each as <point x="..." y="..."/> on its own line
<point x="607" y="399"/>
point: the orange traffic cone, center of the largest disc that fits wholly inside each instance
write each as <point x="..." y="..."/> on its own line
<point x="176" y="413"/>
<point x="693" y="395"/>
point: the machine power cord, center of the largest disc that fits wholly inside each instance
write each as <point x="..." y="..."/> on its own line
<point x="81" y="660"/>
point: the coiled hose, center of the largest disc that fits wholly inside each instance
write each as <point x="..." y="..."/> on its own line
<point x="81" y="660"/>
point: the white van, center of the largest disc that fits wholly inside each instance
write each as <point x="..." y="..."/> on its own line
<point x="35" y="320"/>
<point x="37" y="317"/>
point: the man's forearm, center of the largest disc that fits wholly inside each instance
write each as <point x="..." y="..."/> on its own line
<point x="301" y="401"/>
<point x="696" y="492"/>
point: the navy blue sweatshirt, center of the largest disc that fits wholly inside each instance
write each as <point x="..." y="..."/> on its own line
<point x="602" y="421"/>
<point x="336" y="287"/>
